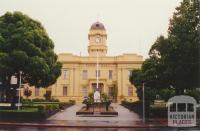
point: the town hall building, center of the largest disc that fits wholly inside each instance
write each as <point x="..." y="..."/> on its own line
<point x="79" y="73"/>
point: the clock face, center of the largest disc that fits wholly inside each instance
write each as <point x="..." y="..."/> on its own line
<point x="97" y="39"/>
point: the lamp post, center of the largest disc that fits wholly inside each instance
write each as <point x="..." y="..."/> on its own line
<point x="19" y="90"/>
<point x="143" y="97"/>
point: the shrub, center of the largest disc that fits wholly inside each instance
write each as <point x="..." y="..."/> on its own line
<point x="27" y="102"/>
<point x="41" y="108"/>
<point x="133" y="106"/>
<point x="88" y="101"/>
<point x="47" y="95"/>
<point x="54" y="100"/>
<point x="106" y="100"/>
<point x="54" y="106"/>
<point x="157" y="112"/>
<point x="27" y="92"/>
<point x="194" y="93"/>
<point x="38" y="100"/>
<point x="72" y="102"/>
<point x="48" y="108"/>
<point x="165" y="94"/>
<point x="63" y="105"/>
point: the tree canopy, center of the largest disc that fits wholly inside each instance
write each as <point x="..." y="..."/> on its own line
<point x="174" y="60"/>
<point x="25" y="46"/>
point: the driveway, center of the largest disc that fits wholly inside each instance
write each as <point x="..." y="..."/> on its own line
<point x="70" y="114"/>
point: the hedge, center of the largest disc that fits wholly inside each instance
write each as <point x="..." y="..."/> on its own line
<point x="40" y="110"/>
<point x="150" y="111"/>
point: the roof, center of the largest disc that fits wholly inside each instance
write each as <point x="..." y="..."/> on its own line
<point x="97" y="26"/>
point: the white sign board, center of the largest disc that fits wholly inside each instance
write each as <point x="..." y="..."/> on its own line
<point x="97" y="97"/>
<point x="13" y="80"/>
<point x="5" y="104"/>
<point x="182" y="111"/>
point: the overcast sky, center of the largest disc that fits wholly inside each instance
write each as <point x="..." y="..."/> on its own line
<point x="132" y="25"/>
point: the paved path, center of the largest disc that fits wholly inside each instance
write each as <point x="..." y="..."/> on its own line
<point x="70" y="114"/>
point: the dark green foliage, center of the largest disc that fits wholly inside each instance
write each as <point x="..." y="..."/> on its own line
<point x="178" y="53"/>
<point x="136" y="106"/>
<point x="174" y="61"/>
<point x="47" y="95"/>
<point x="27" y="92"/>
<point x="44" y="100"/>
<point x="105" y="100"/>
<point x="72" y="102"/>
<point x="194" y="93"/>
<point x="150" y="94"/>
<point x="25" y="46"/>
<point x="88" y="101"/>
<point x="36" y="111"/>
<point x="166" y="93"/>
<point x="136" y="77"/>
<point x="38" y="100"/>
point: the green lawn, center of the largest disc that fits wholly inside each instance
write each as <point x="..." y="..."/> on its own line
<point x="23" y="109"/>
<point x="45" y="103"/>
<point x="33" y="107"/>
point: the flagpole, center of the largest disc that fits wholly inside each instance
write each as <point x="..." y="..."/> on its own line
<point x="97" y="69"/>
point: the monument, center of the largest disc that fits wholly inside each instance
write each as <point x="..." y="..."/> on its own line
<point x="97" y="98"/>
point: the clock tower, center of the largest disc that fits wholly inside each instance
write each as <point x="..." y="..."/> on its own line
<point x="97" y="40"/>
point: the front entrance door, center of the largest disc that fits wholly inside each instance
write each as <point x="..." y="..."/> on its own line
<point x="100" y="87"/>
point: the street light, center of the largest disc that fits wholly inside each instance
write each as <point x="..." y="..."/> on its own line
<point x="19" y="90"/>
<point x="143" y="97"/>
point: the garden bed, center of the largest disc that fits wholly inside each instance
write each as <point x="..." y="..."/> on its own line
<point x="35" y="110"/>
<point x="97" y="110"/>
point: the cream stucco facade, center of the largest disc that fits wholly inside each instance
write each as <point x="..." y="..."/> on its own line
<point x="78" y="77"/>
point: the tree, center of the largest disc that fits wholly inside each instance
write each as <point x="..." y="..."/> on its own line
<point x="25" y="46"/>
<point x="27" y="92"/>
<point x="174" y="60"/>
<point x="47" y="95"/>
<point x="180" y="56"/>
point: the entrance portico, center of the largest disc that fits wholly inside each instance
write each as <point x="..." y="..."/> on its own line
<point x="102" y="86"/>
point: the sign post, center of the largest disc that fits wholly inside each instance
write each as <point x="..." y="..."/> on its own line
<point x="19" y="90"/>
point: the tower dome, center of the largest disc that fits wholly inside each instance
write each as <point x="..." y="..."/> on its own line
<point x="97" y="26"/>
<point x="97" y="39"/>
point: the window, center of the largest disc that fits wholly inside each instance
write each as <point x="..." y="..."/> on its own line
<point x="37" y="91"/>
<point x="98" y="73"/>
<point x="85" y="74"/>
<point x="181" y="107"/>
<point x="190" y="107"/>
<point x="173" y="107"/>
<point x="65" y="74"/>
<point x="110" y="74"/>
<point x="85" y="92"/>
<point x="130" y="91"/>
<point x="64" y="91"/>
